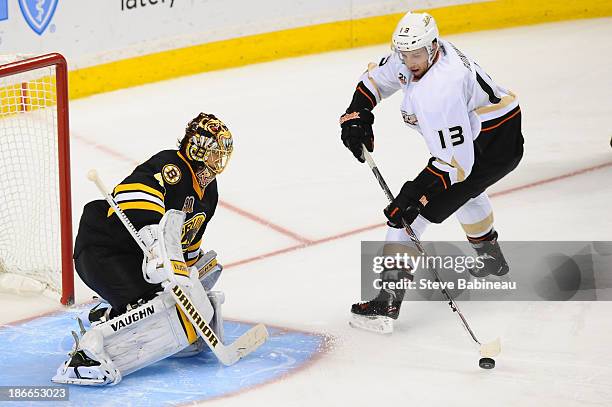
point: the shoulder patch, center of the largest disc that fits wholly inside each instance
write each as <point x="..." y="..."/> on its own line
<point x="171" y="174"/>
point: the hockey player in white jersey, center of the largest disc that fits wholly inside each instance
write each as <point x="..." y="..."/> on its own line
<point x="472" y="128"/>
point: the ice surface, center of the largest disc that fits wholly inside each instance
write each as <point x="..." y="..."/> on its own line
<point x="291" y="170"/>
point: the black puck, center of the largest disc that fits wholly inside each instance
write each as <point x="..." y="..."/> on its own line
<point x="486" y="363"/>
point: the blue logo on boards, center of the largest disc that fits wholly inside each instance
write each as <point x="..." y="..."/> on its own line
<point x="38" y="13"/>
<point x="3" y="10"/>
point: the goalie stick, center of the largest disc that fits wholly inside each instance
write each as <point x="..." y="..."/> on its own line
<point x="489" y="349"/>
<point x="227" y="354"/>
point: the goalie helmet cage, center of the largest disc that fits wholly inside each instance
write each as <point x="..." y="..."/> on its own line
<point x="35" y="202"/>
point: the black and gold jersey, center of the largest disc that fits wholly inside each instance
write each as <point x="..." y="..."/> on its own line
<point x="165" y="181"/>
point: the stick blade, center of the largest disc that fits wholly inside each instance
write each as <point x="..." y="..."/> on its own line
<point x="490" y="349"/>
<point x="247" y="343"/>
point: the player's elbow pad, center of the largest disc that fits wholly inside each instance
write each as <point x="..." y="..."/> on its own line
<point x="362" y="99"/>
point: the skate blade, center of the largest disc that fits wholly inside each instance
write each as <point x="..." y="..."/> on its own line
<point x="81" y="382"/>
<point x="379" y="325"/>
<point x="67" y="375"/>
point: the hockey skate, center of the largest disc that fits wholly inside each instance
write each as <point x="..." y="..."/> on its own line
<point x="81" y="369"/>
<point x="378" y="314"/>
<point x="490" y="253"/>
<point x="375" y="315"/>
<point x="98" y="314"/>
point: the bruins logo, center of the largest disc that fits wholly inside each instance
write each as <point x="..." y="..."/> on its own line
<point x="171" y="174"/>
<point x="191" y="228"/>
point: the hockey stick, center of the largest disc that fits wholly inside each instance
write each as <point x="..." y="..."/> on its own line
<point x="489" y="349"/>
<point x="227" y="354"/>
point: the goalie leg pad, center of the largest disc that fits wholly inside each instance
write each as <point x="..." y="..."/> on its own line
<point x="145" y="335"/>
<point x="217" y="298"/>
<point x="129" y="342"/>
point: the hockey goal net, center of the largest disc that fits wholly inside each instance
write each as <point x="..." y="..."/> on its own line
<point x="35" y="210"/>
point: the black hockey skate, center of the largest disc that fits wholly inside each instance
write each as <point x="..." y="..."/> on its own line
<point x="99" y="313"/>
<point x="80" y="359"/>
<point x="378" y="314"/>
<point x="490" y="254"/>
<point x="82" y="369"/>
<point x="376" y="308"/>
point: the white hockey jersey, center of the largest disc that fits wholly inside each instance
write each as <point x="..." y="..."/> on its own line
<point x="447" y="105"/>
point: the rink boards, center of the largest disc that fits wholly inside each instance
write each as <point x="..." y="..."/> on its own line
<point x="32" y="350"/>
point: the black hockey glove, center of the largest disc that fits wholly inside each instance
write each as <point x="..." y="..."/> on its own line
<point x="405" y="207"/>
<point x="357" y="130"/>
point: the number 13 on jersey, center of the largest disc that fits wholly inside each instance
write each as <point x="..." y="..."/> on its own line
<point x="454" y="134"/>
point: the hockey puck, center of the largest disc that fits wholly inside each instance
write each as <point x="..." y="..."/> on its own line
<point x="486" y="363"/>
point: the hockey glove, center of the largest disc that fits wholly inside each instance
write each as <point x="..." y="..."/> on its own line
<point x="158" y="269"/>
<point x="406" y="206"/>
<point x="150" y="266"/>
<point x="357" y="130"/>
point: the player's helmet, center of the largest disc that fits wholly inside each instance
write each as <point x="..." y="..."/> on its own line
<point x="415" y="31"/>
<point x="207" y="143"/>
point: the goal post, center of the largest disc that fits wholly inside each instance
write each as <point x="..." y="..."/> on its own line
<point x="35" y="212"/>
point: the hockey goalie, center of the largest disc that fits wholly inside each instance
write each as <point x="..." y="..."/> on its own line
<point x="169" y="199"/>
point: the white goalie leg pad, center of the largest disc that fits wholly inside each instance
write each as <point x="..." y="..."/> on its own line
<point x="129" y="342"/>
<point x="144" y="335"/>
<point x="217" y="298"/>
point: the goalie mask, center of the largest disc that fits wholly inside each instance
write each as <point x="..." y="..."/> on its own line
<point x="208" y="145"/>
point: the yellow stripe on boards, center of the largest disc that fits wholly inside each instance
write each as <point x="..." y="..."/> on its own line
<point x="319" y="38"/>
<point x="142" y="205"/>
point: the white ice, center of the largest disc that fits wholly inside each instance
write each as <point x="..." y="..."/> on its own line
<point x="291" y="169"/>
